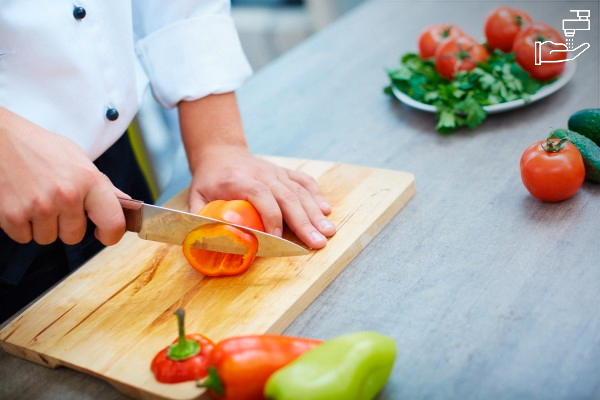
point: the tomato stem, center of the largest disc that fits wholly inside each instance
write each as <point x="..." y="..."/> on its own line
<point x="184" y="348"/>
<point x="463" y="54"/>
<point x="519" y="20"/>
<point x="551" y="147"/>
<point x="446" y="32"/>
<point x="539" y="37"/>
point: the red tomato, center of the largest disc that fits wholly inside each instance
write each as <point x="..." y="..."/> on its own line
<point x="524" y="47"/>
<point x="550" y="172"/>
<point x="458" y="54"/>
<point x="502" y="26"/>
<point x="433" y="35"/>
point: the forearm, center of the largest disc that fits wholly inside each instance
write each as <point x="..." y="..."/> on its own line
<point x="210" y="122"/>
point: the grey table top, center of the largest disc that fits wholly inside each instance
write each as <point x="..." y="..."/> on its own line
<point x="488" y="292"/>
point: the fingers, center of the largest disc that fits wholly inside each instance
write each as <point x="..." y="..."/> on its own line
<point x="302" y="214"/>
<point x="574" y="56"/>
<point x="47" y="218"/>
<point x="72" y="224"/>
<point x="45" y="228"/>
<point x="17" y="227"/>
<point x="312" y="202"/>
<point x="312" y="186"/>
<point x="261" y="197"/>
<point x="586" y="45"/>
<point x="295" y="197"/>
<point x="104" y="210"/>
<point x="49" y="213"/>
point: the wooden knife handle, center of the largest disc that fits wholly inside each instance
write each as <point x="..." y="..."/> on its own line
<point x="132" y="209"/>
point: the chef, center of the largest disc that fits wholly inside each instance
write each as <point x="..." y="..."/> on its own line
<point x="72" y="76"/>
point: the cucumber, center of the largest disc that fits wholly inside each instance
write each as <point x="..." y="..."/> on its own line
<point x="589" y="150"/>
<point x="587" y="122"/>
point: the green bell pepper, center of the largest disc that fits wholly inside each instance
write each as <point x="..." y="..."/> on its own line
<point x="354" y="366"/>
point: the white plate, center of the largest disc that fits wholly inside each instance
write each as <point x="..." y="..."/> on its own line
<point x="509" y="105"/>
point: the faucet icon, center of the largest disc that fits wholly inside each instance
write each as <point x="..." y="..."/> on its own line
<point x="582" y="23"/>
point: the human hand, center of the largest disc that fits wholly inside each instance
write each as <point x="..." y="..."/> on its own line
<point x="557" y="48"/>
<point x="231" y="172"/>
<point x="48" y="184"/>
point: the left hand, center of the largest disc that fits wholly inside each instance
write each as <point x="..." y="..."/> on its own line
<point x="231" y="172"/>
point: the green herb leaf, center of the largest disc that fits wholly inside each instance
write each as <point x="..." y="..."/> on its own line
<point x="460" y="102"/>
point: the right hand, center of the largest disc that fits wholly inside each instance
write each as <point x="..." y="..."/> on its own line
<point x="48" y="184"/>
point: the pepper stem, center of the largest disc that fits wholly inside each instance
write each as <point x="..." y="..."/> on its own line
<point x="212" y="382"/>
<point x="184" y="348"/>
<point x="551" y="147"/>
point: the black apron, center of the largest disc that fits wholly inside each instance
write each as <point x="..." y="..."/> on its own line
<point x="28" y="270"/>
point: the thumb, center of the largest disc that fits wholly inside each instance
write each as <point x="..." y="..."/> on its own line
<point x="196" y="201"/>
<point x="106" y="213"/>
<point x="120" y="193"/>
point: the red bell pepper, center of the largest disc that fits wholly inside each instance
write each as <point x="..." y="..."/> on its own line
<point x="239" y="367"/>
<point x="186" y="359"/>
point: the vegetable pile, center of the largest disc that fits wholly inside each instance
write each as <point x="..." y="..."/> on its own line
<point x="460" y="76"/>
<point x="275" y="367"/>
<point x="554" y="169"/>
<point x="460" y="102"/>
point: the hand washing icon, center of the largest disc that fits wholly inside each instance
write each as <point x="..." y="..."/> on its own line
<point x="582" y="23"/>
<point x="558" y="48"/>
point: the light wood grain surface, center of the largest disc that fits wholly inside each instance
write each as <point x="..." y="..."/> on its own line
<point x="111" y="316"/>
<point x="489" y="293"/>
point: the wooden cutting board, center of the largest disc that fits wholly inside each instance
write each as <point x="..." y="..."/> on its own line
<point x="111" y="316"/>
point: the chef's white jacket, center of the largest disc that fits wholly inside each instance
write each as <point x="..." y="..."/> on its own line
<point x="80" y="68"/>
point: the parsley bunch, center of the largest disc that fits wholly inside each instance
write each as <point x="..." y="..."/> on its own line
<point x="460" y="102"/>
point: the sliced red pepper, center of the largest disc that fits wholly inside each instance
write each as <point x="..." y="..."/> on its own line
<point x="240" y="366"/>
<point x="186" y="359"/>
<point x="212" y="263"/>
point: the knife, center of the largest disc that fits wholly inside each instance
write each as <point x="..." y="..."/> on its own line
<point x="165" y="225"/>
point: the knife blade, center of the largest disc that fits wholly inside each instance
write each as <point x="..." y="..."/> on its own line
<point x="166" y="225"/>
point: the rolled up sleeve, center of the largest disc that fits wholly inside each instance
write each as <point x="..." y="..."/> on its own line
<point x="192" y="57"/>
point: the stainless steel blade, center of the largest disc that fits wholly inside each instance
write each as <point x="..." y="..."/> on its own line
<point x="221" y="244"/>
<point x="172" y="226"/>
